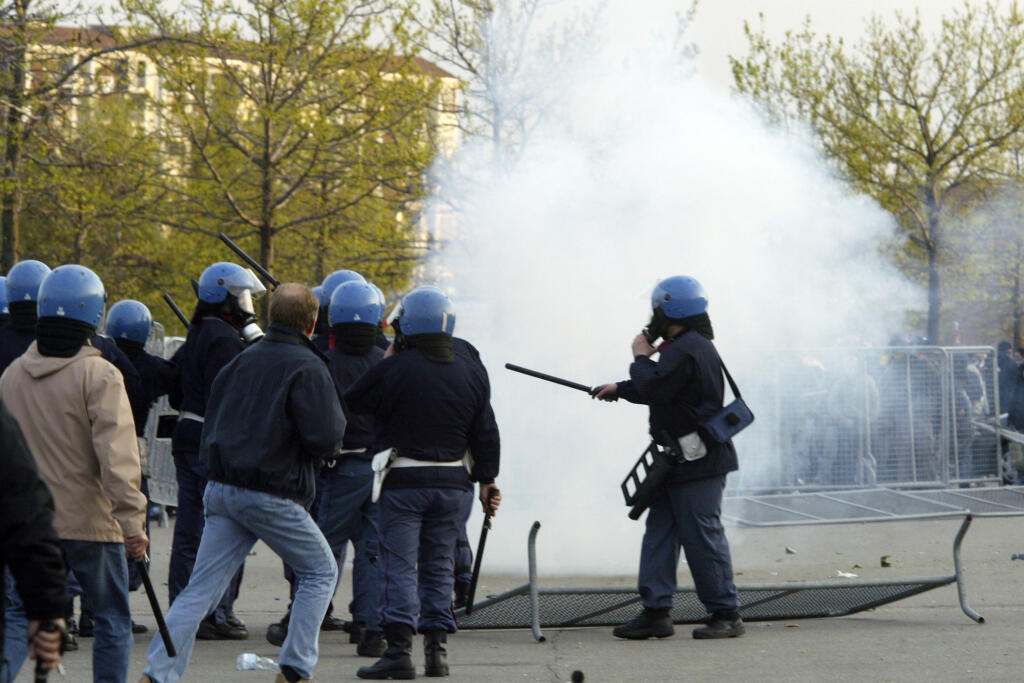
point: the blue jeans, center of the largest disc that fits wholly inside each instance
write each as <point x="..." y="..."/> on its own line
<point x="102" y="571"/>
<point x="188" y="531"/>
<point x="688" y="515"/>
<point x="418" y="530"/>
<point x="346" y="514"/>
<point x="235" y="519"/>
<point x="15" y="632"/>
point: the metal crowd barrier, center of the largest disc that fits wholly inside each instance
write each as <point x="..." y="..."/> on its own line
<point x="163" y="482"/>
<point x="533" y="607"/>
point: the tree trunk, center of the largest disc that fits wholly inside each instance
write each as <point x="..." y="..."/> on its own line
<point x="266" y="215"/>
<point x="933" y="243"/>
<point x="10" y="197"/>
<point x="1015" y="298"/>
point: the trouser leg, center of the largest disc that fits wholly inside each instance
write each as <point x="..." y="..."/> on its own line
<point x="659" y="555"/>
<point x="697" y="509"/>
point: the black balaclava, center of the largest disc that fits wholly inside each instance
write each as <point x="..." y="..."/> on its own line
<point x="23" y="315"/>
<point x="62" y="337"/>
<point x="700" y="323"/>
<point x="132" y="349"/>
<point x="354" y="339"/>
<point x="437" y="346"/>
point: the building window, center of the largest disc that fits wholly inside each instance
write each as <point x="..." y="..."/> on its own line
<point x="140" y="74"/>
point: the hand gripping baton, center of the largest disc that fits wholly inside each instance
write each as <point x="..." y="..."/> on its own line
<point x="160" y="623"/>
<point x="263" y="273"/>
<point x="471" y="593"/>
<point x="549" y="378"/>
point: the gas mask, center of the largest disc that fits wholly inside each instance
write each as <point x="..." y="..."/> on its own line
<point x="657" y="327"/>
<point x="244" y="288"/>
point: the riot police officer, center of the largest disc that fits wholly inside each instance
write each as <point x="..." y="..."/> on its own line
<point x="683" y="387"/>
<point x="430" y="407"/>
<point x="22" y="291"/>
<point x="223" y="321"/>
<point x="5" y="311"/>
<point x="129" y="324"/>
<point x="322" y="338"/>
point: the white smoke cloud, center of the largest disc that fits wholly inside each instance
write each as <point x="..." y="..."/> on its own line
<point x="642" y="174"/>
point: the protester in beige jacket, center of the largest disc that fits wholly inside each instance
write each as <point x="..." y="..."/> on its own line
<point x="72" y="407"/>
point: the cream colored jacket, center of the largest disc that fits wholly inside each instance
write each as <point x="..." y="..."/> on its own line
<point x="78" y="423"/>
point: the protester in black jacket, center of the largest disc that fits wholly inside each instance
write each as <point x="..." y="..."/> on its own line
<point x="30" y="554"/>
<point x="273" y="417"/>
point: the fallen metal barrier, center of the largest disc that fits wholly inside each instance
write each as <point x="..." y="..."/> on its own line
<point x="530" y="606"/>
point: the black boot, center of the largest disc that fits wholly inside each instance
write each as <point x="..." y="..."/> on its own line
<point x="651" y="623"/>
<point x="277" y="632"/>
<point x="372" y="645"/>
<point x="397" y="660"/>
<point x="355" y="632"/>
<point x="437" y="656"/>
<point x="461" y="594"/>
<point x="721" y="625"/>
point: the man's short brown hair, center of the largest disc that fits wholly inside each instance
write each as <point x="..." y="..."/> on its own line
<point x="295" y="306"/>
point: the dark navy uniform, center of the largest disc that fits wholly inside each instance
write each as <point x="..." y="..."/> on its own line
<point x="686" y="382"/>
<point x="431" y="412"/>
<point x="346" y="511"/>
<point x="211" y="344"/>
<point x="14" y="341"/>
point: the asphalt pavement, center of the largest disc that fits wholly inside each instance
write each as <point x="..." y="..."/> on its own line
<point x="924" y="638"/>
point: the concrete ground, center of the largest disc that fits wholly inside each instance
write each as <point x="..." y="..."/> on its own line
<point x="925" y="638"/>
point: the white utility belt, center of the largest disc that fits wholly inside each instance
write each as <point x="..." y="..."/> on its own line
<point x="185" y="415"/>
<point x="385" y="461"/>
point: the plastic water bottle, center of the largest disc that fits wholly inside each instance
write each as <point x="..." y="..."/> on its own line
<point x="253" y="662"/>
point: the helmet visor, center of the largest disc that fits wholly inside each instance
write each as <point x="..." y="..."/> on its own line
<point x="244" y="281"/>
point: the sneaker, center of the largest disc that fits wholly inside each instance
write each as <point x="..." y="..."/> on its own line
<point x="69" y="641"/>
<point x="209" y="630"/>
<point x="651" y="623"/>
<point x="232" y="620"/>
<point x="721" y="625"/>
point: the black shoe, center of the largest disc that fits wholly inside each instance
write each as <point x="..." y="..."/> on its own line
<point x="372" y="645"/>
<point x="332" y="623"/>
<point x="208" y="630"/>
<point x="277" y="632"/>
<point x="397" y="660"/>
<point x="651" y="623"/>
<point x="461" y="594"/>
<point x="232" y="620"/>
<point x="86" y="625"/>
<point x="437" y="655"/>
<point x="721" y="625"/>
<point x="139" y="628"/>
<point x="355" y="632"/>
<point x="69" y="643"/>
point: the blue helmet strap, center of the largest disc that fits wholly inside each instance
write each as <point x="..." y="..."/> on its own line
<point x="62" y="337"/>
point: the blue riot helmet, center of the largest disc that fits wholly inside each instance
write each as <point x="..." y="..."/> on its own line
<point x="4" y="309"/>
<point x="332" y="281"/>
<point x="237" y="287"/>
<point x="129" y="320"/>
<point x="355" y="302"/>
<point x="425" y="310"/>
<point x="319" y="297"/>
<point x="23" y="280"/>
<point x="672" y="300"/>
<point x="72" y="292"/>
<point x="382" y="300"/>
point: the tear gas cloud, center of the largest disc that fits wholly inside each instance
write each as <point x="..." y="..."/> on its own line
<point x="642" y="172"/>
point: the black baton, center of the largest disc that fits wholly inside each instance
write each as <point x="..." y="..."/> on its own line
<point x="250" y="260"/>
<point x="177" y="311"/>
<point x="549" y="378"/>
<point x="160" y="623"/>
<point x="471" y="593"/>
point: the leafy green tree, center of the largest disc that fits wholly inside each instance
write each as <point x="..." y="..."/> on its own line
<point x="917" y="121"/>
<point x="289" y="127"/>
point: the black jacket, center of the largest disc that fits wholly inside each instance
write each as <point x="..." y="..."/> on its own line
<point x="158" y="377"/>
<point x="683" y="388"/>
<point x="273" y="417"/>
<point x="14" y="341"/>
<point x="210" y="345"/>
<point x="346" y="369"/>
<point x="132" y="380"/>
<point x="28" y="542"/>
<point x="431" y="411"/>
